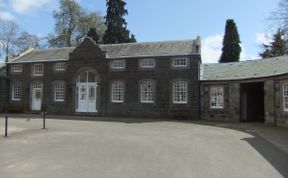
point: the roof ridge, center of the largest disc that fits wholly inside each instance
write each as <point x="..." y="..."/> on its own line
<point x="148" y="42"/>
<point x="51" y="49"/>
<point x="248" y="69"/>
<point x="22" y="54"/>
<point x="246" y="61"/>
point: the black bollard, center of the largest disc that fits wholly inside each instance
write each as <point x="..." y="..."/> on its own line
<point x="44" y="119"/>
<point x="6" y="126"/>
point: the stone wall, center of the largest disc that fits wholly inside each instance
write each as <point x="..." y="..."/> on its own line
<point x="89" y="57"/>
<point x="163" y="76"/>
<point x="281" y="115"/>
<point x="269" y="102"/>
<point x="231" y="109"/>
<point x="273" y="101"/>
<point x="3" y="94"/>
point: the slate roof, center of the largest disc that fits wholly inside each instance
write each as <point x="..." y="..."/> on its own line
<point x="125" y="50"/>
<point x="149" y="49"/>
<point x="44" y="55"/>
<point x="246" y="70"/>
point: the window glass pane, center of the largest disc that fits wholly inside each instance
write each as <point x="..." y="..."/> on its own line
<point x="17" y="68"/>
<point x="38" y="69"/>
<point x="16" y="92"/>
<point x="216" y="97"/>
<point x="60" y="66"/>
<point x="37" y="95"/>
<point x="36" y="85"/>
<point x="92" y="93"/>
<point x="180" y="62"/>
<point x="59" y="91"/>
<point x="147" y="92"/>
<point x="83" y="77"/>
<point x="83" y="93"/>
<point x="118" y="64"/>
<point x="180" y="92"/>
<point x="147" y="63"/>
<point x="117" y="91"/>
<point x="91" y="77"/>
<point x="285" y="97"/>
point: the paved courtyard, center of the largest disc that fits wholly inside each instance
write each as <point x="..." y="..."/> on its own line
<point x="161" y="149"/>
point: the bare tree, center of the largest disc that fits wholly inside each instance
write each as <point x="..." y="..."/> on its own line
<point x="13" y="40"/>
<point x="279" y="17"/>
<point x="8" y="38"/>
<point x="278" y="25"/>
<point x="26" y="40"/>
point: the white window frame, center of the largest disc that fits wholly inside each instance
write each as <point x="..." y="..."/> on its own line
<point x="37" y="71"/>
<point x="60" y="66"/>
<point x="59" y="91"/>
<point x="180" y="62"/>
<point x="17" y="68"/>
<point x="147" y="63"/>
<point x="285" y="97"/>
<point x="117" y="92"/>
<point x="16" y="91"/>
<point x="147" y="94"/>
<point x="180" y="92"/>
<point x="217" y="97"/>
<point x="118" y="64"/>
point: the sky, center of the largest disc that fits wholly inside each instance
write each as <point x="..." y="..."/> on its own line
<point x="161" y="20"/>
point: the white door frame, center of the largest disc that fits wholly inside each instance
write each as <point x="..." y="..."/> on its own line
<point x="36" y="95"/>
<point x="86" y="100"/>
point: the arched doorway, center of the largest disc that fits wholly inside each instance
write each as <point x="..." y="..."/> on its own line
<point x="86" y="96"/>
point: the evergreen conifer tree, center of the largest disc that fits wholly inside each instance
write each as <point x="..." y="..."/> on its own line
<point x="133" y="39"/>
<point x="231" y="43"/>
<point x="92" y="33"/>
<point x="117" y="31"/>
<point x="277" y="47"/>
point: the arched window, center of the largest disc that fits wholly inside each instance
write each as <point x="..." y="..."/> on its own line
<point x="86" y="77"/>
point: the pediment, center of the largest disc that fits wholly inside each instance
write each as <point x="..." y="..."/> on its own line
<point x="88" y="48"/>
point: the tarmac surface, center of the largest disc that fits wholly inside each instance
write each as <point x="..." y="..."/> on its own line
<point x="127" y="148"/>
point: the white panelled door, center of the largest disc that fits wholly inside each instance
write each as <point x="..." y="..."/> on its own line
<point x="36" y="96"/>
<point x="86" y="92"/>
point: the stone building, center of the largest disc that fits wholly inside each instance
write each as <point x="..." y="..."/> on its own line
<point x="3" y="88"/>
<point x="255" y="90"/>
<point x="153" y="79"/>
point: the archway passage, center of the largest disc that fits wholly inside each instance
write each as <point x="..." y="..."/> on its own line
<point x="86" y="96"/>
<point x="252" y="102"/>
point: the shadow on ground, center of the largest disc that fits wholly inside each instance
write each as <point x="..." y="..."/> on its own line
<point x="277" y="157"/>
<point x="274" y="155"/>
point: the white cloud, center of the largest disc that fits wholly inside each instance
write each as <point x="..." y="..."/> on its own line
<point x="243" y="55"/>
<point x="24" y="6"/>
<point x="262" y="38"/>
<point x="211" y="48"/>
<point x="6" y="16"/>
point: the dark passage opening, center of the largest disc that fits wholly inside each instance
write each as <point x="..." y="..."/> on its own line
<point x="252" y="102"/>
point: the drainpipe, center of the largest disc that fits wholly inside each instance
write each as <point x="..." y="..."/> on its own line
<point x="275" y="119"/>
